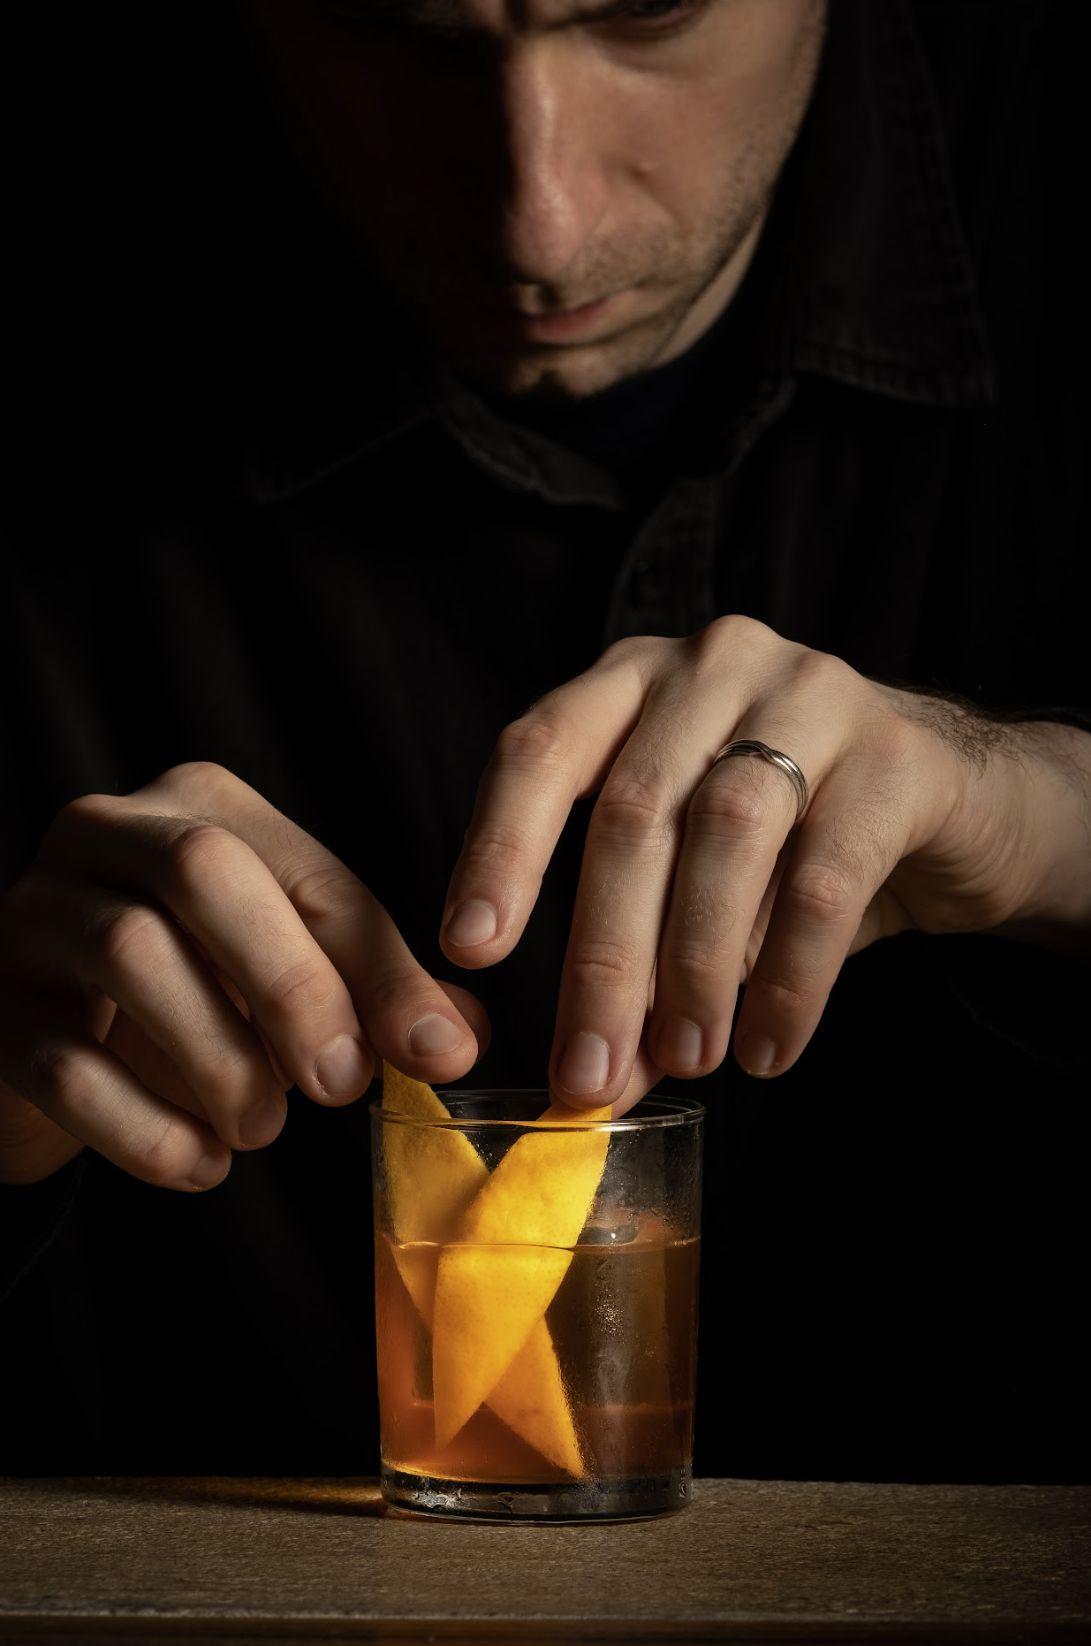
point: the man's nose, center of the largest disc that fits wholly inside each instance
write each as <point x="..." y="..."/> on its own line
<point x="556" y="190"/>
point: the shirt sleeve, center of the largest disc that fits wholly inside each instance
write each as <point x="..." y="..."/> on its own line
<point x="31" y="1217"/>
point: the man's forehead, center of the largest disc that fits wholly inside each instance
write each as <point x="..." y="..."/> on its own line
<point x="492" y="16"/>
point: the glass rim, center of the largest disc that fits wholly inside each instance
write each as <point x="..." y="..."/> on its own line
<point x="682" y="1111"/>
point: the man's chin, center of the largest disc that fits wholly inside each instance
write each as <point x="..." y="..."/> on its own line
<point x="553" y="376"/>
<point x="568" y="372"/>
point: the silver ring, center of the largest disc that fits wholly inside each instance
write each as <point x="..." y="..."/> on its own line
<point x="774" y="757"/>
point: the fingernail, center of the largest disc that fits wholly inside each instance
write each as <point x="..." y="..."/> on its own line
<point x="343" y="1068"/>
<point x="261" y="1123"/>
<point x="680" y="1044"/>
<point x="756" y="1054"/>
<point x="472" y="923"/>
<point x="434" y="1034"/>
<point x="585" y="1066"/>
<point x="208" y="1171"/>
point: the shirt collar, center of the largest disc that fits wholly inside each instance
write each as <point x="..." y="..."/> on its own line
<point x="871" y="285"/>
<point x="881" y="275"/>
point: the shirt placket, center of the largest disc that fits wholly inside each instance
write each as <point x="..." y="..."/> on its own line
<point x="667" y="579"/>
<point x="662" y="582"/>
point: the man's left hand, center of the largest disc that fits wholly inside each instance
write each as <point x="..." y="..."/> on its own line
<point x="697" y="875"/>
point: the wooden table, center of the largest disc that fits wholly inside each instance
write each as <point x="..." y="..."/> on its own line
<point x="290" y="1560"/>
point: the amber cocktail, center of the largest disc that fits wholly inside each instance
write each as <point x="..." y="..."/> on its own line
<point x="536" y="1303"/>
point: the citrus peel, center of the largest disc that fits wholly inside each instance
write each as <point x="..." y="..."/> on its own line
<point x="512" y="1251"/>
<point x="502" y="1260"/>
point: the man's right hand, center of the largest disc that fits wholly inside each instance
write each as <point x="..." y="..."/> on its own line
<point x="174" y="960"/>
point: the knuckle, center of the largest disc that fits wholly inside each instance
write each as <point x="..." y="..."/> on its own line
<point x="620" y="651"/>
<point x="822" y="672"/>
<point x="198" y="779"/>
<point x="75" y="817"/>
<point x="633" y="650"/>
<point x="318" y="890"/>
<point x="130" y="936"/>
<point x="632" y="809"/>
<point x="395" y="996"/>
<point x="168" y="1156"/>
<point x="495" y="851"/>
<point x="730" y="631"/>
<point x="87" y="807"/>
<point x="819" y="894"/>
<point x="704" y="961"/>
<point x="233" y="1080"/>
<point x="197" y="852"/>
<point x="734" y="803"/>
<point x="605" y="963"/>
<point x="535" y="739"/>
<point x="789" y="995"/>
<point x="60" y="1076"/>
<point x="302" y="988"/>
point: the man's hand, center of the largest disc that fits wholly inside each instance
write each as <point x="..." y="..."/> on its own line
<point x="174" y="960"/>
<point x="696" y="876"/>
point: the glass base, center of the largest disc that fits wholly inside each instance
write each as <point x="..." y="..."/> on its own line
<point x="590" y="1500"/>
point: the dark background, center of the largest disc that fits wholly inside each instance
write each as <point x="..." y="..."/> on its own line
<point x="149" y="197"/>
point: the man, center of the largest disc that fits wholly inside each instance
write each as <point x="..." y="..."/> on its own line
<point x="656" y="414"/>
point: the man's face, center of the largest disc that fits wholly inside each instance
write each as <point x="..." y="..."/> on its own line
<point x="561" y="192"/>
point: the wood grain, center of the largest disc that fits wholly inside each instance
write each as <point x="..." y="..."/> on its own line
<point x="257" y="1560"/>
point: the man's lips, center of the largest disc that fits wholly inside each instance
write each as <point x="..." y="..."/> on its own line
<point x="557" y="327"/>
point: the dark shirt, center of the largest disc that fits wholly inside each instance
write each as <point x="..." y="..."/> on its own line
<point x="642" y="430"/>
<point x="247" y="527"/>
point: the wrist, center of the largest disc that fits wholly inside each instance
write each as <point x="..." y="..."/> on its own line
<point x="1054" y="763"/>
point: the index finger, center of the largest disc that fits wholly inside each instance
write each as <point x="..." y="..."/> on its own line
<point x="326" y="976"/>
<point x="543" y="762"/>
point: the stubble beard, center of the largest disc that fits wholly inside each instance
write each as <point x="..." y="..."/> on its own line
<point x="543" y="375"/>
